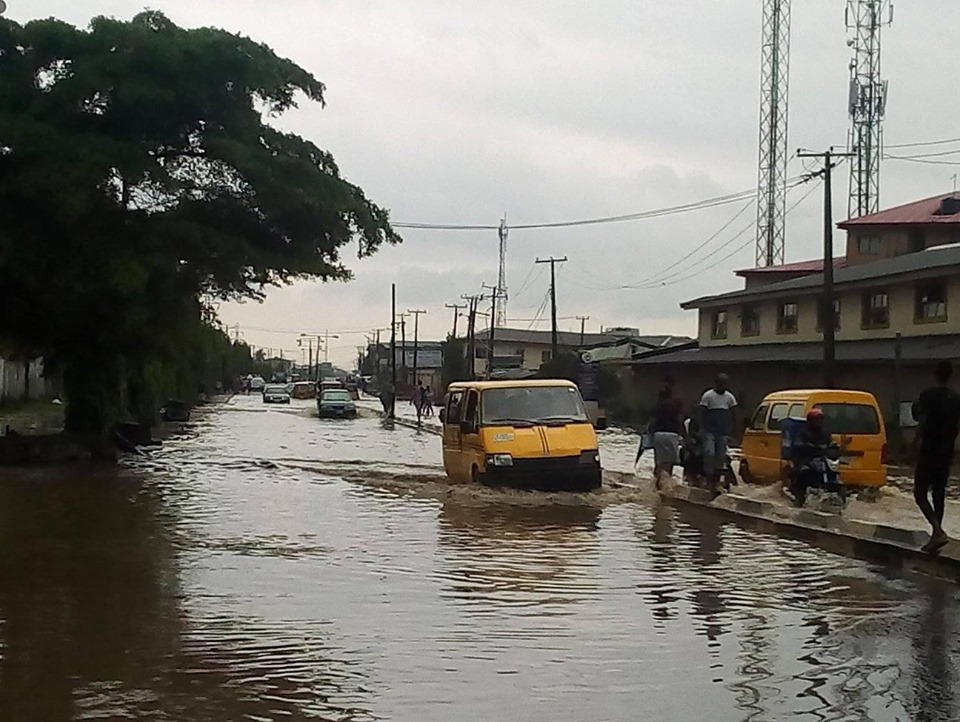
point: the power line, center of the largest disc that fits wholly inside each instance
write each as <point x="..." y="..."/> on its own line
<point x="924" y="155"/>
<point x="923" y="142"/>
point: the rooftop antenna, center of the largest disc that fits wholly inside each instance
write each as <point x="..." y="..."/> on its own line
<point x="501" y="291"/>
<point x="867" y="102"/>
<point x="772" y="175"/>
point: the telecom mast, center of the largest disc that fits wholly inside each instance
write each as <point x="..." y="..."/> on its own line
<point x="501" y="319"/>
<point x="867" y="102"/>
<point x="774" y="84"/>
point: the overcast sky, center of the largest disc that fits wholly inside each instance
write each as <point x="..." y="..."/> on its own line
<point x="454" y="111"/>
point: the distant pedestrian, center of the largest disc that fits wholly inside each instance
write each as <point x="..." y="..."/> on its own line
<point x="717" y="408"/>
<point x="426" y="402"/>
<point x="666" y="427"/>
<point x="937" y="410"/>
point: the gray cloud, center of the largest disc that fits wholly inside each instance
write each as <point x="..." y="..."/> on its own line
<point x="458" y="111"/>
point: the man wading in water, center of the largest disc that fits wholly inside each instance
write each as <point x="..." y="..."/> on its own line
<point x="938" y="411"/>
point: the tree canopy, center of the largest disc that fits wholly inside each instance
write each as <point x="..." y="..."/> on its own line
<point x="140" y="184"/>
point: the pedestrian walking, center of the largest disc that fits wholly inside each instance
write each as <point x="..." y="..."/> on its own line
<point x="717" y="408"/>
<point x="426" y="402"/>
<point x="937" y="410"/>
<point x="666" y="426"/>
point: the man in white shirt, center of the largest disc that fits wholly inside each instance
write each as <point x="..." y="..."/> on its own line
<point x="716" y="421"/>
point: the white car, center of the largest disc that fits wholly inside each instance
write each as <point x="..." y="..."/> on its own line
<point x="257" y="383"/>
<point x="276" y="394"/>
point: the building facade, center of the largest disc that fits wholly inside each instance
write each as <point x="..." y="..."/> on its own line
<point x="896" y="312"/>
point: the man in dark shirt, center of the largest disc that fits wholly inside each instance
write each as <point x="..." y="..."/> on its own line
<point x="938" y="412"/>
<point x="811" y="443"/>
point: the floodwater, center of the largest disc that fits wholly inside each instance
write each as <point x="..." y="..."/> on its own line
<point x="267" y="565"/>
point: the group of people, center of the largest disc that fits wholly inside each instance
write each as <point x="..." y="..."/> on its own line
<point x="422" y="400"/>
<point x="699" y="441"/>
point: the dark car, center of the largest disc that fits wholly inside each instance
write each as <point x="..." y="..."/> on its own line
<point x="336" y="403"/>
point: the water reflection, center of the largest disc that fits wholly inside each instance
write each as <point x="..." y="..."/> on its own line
<point x="269" y="566"/>
<point x="517" y="551"/>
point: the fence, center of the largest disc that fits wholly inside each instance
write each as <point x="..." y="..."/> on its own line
<point x="21" y="380"/>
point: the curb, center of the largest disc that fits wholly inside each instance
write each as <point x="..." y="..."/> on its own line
<point x="892" y="545"/>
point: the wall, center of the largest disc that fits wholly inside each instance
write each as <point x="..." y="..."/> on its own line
<point x="896" y="241"/>
<point x="21" y="380"/>
<point x="901" y="298"/>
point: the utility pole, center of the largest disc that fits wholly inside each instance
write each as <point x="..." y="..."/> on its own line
<point x="471" y="332"/>
<point x="554" y="345"/>
<point x="456" y="312"/>
<point x="583" y="323"/>
<point x="827" y="319"/>
<point x="393" y="341"/>
<point x="403" y="346"/>
<point x="416" y="341"/>
<point x="494" y="295"/>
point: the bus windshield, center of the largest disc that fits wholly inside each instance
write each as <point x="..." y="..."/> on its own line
<point x="532" y="404"/>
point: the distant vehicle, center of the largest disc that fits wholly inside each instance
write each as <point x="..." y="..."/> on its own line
<point x="257" y="383"/>
<point x="276" y="394"/>
<point x="304" y="390"/>
<point x="336" y="403"/>
<point x="175" y="410"/>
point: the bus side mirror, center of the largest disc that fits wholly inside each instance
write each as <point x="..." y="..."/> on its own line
<point x="443" y="415"/>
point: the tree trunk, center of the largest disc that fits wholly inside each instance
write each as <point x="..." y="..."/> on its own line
<point x="93" y="390"/>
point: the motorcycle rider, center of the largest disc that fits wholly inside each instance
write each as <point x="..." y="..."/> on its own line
<point x="813" y="442"/>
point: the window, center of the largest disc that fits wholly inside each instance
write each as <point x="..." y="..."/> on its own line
<point x="850" y="418"/>
<point x="869" y="245"/>
<point x="787" y="318"/>
<point x="836" y="315"/>
<point x="544" y="356"/>
<point x="758" y="422"/>
<point x="471" y="413"/>
<point x="519" y="352"/>
<point x="749" y="321"/>
<point x="796" y="412"/>
<point x="876" y="310"/>
<point x="718" y="326"/>
<point x="778" y="412"/>
<point x="931" y="302"/>
<point x="453" y="407"/>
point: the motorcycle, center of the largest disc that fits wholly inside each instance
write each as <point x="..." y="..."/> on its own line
<point x="821" y="474"/>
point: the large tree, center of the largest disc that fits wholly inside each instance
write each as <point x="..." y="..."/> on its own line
<point x="140" y="183"/>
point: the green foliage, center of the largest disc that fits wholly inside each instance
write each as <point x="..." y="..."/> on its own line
<point x="139" y="184"/>
<point x="454" y="366"/>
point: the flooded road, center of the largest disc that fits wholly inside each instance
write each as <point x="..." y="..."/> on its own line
<point x="265" y="564"/>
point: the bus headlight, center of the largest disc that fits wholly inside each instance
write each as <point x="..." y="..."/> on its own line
<point x="500" y="460"/>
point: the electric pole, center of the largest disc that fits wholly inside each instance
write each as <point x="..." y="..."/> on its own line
<point x="403" y="345"/>
<point x="554" y="345"/>
<point x="393" y="341"/>
<point x="494" y="295"/>
<point x="827" y="318"/>
<point x="583" y="323"/>
<point x="416" y="341"/>
<point x="456" y="312"/>
<point x="471" y="332"/>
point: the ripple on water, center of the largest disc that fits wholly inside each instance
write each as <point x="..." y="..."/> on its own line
<point x="266" y="565"/>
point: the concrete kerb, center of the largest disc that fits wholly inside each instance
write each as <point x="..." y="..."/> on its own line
<point x="891" y="545"/>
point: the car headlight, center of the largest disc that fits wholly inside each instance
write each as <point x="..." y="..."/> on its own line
<point x="500" y="460"/>
<point x="351" y="407"/>
<point x="590" y="456"/>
